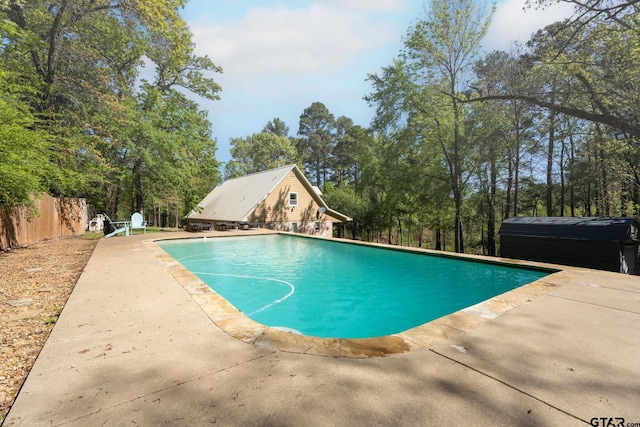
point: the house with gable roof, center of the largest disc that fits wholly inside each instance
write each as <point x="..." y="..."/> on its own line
<point x="280" y="199"/>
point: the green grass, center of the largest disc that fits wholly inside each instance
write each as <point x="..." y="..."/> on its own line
<point x="54" y="318"/>
<point x="154" y="229"/>
<point x="92" y="235"/>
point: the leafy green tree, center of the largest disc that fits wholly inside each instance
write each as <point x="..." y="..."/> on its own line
<point x="597" y="11"/>
<point x="259" y="152"/>
<point x="339" y="154"/>
<point x="546" y="45"/>
<point x="440" y="50"/>
<point x="316" y="141"/>
<point x="170" y="147"/>
<point x="344" y="199"/>
<point x="352" y="150"/>
<point x="490" y="124"/>
<point x="82" y="59"/>
<point x="278" y="127"/>
<point x="66" y="41"/>
<point x="603" y="89"/>
<point x="510" y="73"/>
<point x="24" y="150"/>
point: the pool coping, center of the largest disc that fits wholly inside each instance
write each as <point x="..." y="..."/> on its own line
<point x="236" y="324"/>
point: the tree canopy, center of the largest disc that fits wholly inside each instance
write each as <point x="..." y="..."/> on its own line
<point x="259" y="152"/>
<point x="596" y="53"/>
<point x="462" y="139"/>
<point x="73" y="69"/>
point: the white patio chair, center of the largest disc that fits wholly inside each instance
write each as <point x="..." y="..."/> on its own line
<point x="137" y="223"/>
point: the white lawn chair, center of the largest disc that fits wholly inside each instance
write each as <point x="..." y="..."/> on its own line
<point x="137" y="223"/>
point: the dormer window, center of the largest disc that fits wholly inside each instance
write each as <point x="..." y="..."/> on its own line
<point x="293" y="199"/>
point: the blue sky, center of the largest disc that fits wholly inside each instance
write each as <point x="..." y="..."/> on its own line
<point x="280" y="56"/>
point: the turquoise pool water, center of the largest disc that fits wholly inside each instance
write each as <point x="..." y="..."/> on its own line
<point x="338" y="290"/>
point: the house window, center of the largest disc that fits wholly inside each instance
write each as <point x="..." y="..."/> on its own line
<point x="293" y="199"/>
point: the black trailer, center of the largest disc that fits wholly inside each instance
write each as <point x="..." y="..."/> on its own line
<point x="611" y="244"/>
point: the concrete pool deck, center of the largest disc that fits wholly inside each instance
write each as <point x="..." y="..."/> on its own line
<point x="134" y="346"/>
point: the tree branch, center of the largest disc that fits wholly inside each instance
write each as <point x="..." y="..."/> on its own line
<point x="592" y="94"/>
<point x="604" y="118"/>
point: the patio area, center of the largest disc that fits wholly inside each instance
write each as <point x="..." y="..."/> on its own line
<point x="132" y="346"/>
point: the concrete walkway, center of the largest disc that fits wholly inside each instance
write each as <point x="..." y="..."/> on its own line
<point x="132" y="347"/>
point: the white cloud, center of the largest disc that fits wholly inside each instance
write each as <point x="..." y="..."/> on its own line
<point x="513" y="22"/>
<point x="385" y="6"/>
<point x="280" y="56"/>
<point x="318" y="40"/>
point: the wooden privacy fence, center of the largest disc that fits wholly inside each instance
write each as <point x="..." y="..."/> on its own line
<point x="53" y="218"/>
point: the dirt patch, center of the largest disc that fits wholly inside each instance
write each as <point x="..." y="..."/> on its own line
<point x="35" y="284"/>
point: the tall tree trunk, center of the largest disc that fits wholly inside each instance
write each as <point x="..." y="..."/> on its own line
<point x="116" y="203"/>
<point x="516" y="183"/>
<point x="572" y="154"/>
<point x="138" y="202"/>
<point x="491" y="209"/>
<point x="605" y="184"/>
<point x="318" y="172"/>
<point x="562" y="179"/>
<point x="624" y="199"/>
<point x="456" y="178"/>
<point x="589" y="198"/>
<point x="552" y="135"/>
<point x="324" y="171"/>
<point x="459" y="243"/>
<point x="516" y="166"/>
<point x="508" y="190"/>
<point x="605" y="206"/>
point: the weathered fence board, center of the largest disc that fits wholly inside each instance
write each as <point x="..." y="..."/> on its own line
<point x="55" y="218"/>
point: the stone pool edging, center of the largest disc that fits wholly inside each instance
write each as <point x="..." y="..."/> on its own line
<point x="236" y="324"/>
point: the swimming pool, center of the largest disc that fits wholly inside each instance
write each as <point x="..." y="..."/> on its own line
<point x="331" y="289"/>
